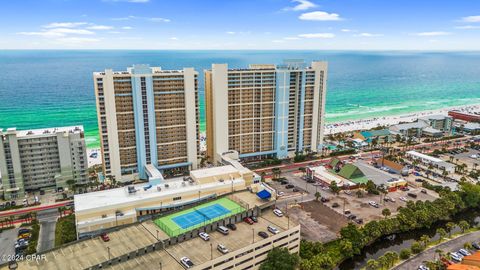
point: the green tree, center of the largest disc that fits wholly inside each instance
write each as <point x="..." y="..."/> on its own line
<point x="450" y="226"/>
<point x="334" y="188"/>
<point x="442" y="233"/>
<point x="392" y="257"/>
<point x="371" y="188"/>
<point x="372" y="264"/>
<point x="346" y="247"/>
<point x="405" y="253"/>
<point x="280" y="259"/>
<point x="425" y="239"/>
<point x="386" y="212"/>
<point x="464" y="225"/>
<point x="417" y="247"/>
<point x="317" y="196"/>
<point x="354" y="235"/>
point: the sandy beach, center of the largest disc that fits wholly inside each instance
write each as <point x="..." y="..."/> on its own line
<point x="365" y="124"/>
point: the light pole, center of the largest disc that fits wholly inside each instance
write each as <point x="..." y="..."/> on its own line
<point x="161" y="266"/>
<point x="211" y="251"/>
<point x="108" y="249"/>
<point x="253" y="235"/>
<point x="157" y="235"/>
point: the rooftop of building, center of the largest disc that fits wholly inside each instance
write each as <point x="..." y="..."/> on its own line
<point x="435" y="117"/>
<point x="377" y="176"/>
<point x="146" y="192"/>
<point x="142" y="69"/>
<point x="390" y="164"/>
<point x="431" y="130"/>
<point x="42" y="131"/>
<point x="405" y="126"/>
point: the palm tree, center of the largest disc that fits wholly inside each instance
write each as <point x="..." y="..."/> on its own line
<point x="372" y="264"/>
<point x="386" y="212"/>
<point x="317" y="196"/>
<point x="464" y="225"/>
<point x="442" y="233"/>
<point x="439" y="252"/>
<point x="425" y="239"/>
<point x="450" y="226"/>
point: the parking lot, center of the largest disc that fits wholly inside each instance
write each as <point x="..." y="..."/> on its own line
<point x="465" y="157"/>
<point x="93" y="251"/>
<point x="361" y="208"/>
<point x="7" y="242"/>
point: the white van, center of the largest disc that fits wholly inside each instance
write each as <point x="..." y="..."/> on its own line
<point x="222" y="230"/>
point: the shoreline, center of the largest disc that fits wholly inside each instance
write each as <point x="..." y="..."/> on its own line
<point x="373" y="122"/>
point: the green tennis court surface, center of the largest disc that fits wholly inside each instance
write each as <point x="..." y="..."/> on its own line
<point x="187" y="220"/>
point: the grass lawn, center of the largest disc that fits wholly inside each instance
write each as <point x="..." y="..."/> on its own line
<point x="173" y="229"/>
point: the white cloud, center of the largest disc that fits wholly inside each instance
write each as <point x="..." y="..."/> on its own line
<point x="468" y="27"/>
<point x="173" y="38"/>
<point x="64" y="24"/>
<point x="346" y="30"/>
<point x="58" y="32"/>
<point x="320" y="16"/>
<point x="302" y="5"/>
<point x="317" y="35"/>
<point x="368" y="35"/>
<point x="291" y="38"/>
<point x="278" y="41"/>
<point x="471" y="19"/>
<point x="432" y="34"/>
<point x="100" y="27"/>
<point x="158" y="19"/>
<point x="230" y="33"/>
<point x="124" y="18"/>
<point x="127" y="28"/>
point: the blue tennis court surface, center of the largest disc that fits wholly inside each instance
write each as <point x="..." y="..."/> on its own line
<point x="200" y="215"/>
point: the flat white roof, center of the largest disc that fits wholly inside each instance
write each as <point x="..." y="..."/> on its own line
<point x="119" y="197"/>
<point x="44" y="131"/>
<point x="213" y="171"/>
<point x="423" y="156"/>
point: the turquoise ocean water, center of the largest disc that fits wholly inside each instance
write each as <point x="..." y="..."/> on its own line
<point x="55" y="88"/>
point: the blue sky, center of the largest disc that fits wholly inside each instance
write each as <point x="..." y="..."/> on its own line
<point x="241" y="24"/>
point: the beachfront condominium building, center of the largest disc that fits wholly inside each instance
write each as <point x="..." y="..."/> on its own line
<point x="265" y="110"/>
<point x="148" y="120"/>
<point x="41" y="159"/>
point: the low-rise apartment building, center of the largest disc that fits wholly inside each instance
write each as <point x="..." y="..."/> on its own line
<point x="41" y="158"/>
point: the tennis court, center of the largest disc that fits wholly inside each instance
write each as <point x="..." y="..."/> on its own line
<point x="201" y="215"/>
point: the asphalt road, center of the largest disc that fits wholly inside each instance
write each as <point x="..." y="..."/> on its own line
<point x="47" y="220"/>
<point x="447" y="247"/>
<point x="7" y="242"/>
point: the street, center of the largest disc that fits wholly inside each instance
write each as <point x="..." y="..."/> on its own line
<point x="446" y="247"/>
<point x="47" y="220"/>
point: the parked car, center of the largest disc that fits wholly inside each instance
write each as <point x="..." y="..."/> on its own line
<point x="248" y="220"/>
<point x="278" y="212"/>
<point x="348" y="192"/>
<point x="289" y="186"/>
<point x="335" y="205"/>
<point x="254" y="218"/>
<point x="424" y="191"/>
<point x="413" y="195"/>
<point x="204" y="236"/>
<point x="25" y="235"/>
<point x="476" y="246"/>
<point x="464" y="252"/>
<point x="263" y="234"/>
<point x="223" y="230"/>
<point x="419" y="180"/>
<point x="104" y="237"/>
<point x="272" y="229"/>
<point x="22" y="231"/>
<point x="423" y="267"/>
<point x="359" y="221"/>
<point x="284" y="182"/>
<point x="455" y="257"/>
<point x="403" y="199"/>
<point x="374" y="204"/>
<point x="222" y="249"/>
<point x="324" y="200"/>
<point x="280" y="193"/>
<point x="232" y="226"/>
<point x="187" y="263"/>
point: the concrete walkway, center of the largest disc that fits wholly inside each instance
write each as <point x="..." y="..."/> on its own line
<point x="447" y="247"/>
<point x="48" y="221"/>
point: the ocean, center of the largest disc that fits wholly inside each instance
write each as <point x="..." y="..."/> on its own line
<point x="47" y="88"/>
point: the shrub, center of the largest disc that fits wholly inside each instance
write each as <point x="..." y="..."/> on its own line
<point x="405" y="253"/>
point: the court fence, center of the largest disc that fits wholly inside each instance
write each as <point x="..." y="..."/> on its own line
<point x="175" y="232"/>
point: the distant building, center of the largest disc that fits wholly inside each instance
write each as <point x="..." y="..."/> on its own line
<point x="472" y="128"/>
<point x="414" y="129"/>
<point x="392" y="166"/>
<point x="147" y="116"/>
<point x="432" y="132"/>
<point x="439" y="122"/>
<point x="381" y="136"/>
<point x="41" y="158"/>
<point x="436" y="162"/>
<point x="379" y="177"/>
<point x="469" y="117"/>
<point x="265" y="110"/>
